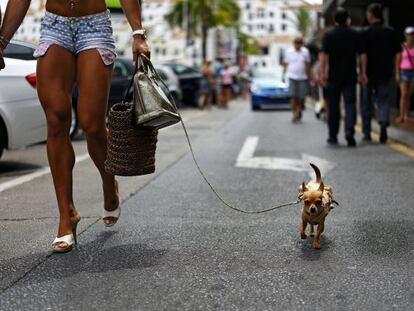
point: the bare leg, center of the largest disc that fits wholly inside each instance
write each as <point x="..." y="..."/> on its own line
<point x="294" y="103"/>
<point x="202" y="102"/>
<point x="404" y="100"/>
<point x="94" y="80"/>
<point x="208" y="101"/>
<point x="56" y="74"/>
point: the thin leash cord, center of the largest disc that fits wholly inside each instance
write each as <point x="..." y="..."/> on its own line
<point x="214" y="190"/>
<point x="150" y="68"/>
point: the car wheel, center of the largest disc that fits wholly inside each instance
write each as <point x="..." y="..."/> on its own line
<point x="255" y="108"/>
<point x="3" y="137"/>
<point x="73" y="124"/>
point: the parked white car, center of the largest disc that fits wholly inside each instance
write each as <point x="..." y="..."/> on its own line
<point x="22" y="120"/>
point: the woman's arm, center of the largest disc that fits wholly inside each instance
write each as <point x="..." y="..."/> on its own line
<point x="13" y="17"/>
<point x="132" y="10"/>
<point x="397" y="67"/>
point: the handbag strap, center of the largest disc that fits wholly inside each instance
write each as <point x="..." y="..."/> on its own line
<point x="144" y="64"/>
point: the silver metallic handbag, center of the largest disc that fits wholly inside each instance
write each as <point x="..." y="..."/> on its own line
<point x="153" y="105"/>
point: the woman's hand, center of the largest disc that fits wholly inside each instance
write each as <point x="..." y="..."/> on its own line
<point x="139" y="46"/>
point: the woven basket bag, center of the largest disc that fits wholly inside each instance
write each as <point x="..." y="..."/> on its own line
<point x="131" y="148"/>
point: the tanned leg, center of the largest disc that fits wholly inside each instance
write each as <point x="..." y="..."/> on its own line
<point x="302" y="230"/>
<point x="55" y="78"/>
<point x="316" y="242"/>
<point x="404" y="87"/>
<point x="94" y="79"/>
<point x="294" y="106"/>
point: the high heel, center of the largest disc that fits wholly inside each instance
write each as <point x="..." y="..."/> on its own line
<point x="115" y="214"/>
<point x="68" y="240"/>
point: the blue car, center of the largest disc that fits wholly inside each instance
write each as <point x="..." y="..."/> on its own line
<point x="269" y="91"/>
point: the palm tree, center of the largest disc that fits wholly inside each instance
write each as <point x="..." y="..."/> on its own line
<point x="302" y="20"/>
<point x="203" y="15"/>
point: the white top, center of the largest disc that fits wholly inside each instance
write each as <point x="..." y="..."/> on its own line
<point x="296" y="62"/>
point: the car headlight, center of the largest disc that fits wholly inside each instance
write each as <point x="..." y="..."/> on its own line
<point x="255" y="88"/>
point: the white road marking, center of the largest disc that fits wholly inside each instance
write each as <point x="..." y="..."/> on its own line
<point x="36" y="174"/>
<point x="247" y="159"/>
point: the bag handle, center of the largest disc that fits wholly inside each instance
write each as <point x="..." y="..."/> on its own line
<point x="147" y="67"/>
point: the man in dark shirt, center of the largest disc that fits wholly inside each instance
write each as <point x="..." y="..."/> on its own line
<point x="340" y="48"/>
<point x="381" y="45"/>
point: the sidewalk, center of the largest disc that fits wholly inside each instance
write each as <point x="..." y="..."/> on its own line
<point x="403" y="133"/>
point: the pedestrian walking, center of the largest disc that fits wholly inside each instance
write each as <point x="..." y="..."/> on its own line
<point x="78" y="48"/>
<point x="226" y="78"/>
<point x="219" y="65"/>
<point x="206" y="86"/>
<point x="381" y="45"/>
<point x="297" y="68"/>
<point x="405" y="75"/>
<point x="340" y="48"/>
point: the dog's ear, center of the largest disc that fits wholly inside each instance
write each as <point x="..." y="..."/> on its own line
<point x="304" y="187"/>
<point x="321" y="186"/>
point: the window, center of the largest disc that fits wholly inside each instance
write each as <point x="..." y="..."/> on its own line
<point x="284" y="27"/>
<point x="271" y="14"/>
<point x="162" y="74"/>
<point x="265" y="50"/>
<point x="19" y="52"/>
<point x="284" y="16"/>
<point x="271" y="28"/>
<point x="119" y="70"/>
<point x="247" y="6"/>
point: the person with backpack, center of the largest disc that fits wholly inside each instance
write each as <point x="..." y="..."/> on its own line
<point x="405" y="75"/>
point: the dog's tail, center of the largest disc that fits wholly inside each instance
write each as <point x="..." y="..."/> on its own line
<point x="317" y="172"/>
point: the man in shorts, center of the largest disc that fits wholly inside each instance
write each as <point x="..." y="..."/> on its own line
<point x="297" y="68"/>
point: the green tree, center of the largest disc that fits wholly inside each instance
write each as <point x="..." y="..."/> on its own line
<point x="203" y="15"/>
<point x="302" y="20"/>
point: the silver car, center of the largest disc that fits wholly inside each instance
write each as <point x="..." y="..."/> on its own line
<point x="22" y="121"/>
<point x="172" y="82"/>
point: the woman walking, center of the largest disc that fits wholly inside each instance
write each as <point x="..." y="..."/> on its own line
<point x="405" y="75"/>
<point x="206" y="86"/>
<point x="76" y="44"/>
<point x="226" y="76"/>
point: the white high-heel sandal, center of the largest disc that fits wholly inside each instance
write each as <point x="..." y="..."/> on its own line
<point x="116" y="213"/>
<point x="68" y="239"/>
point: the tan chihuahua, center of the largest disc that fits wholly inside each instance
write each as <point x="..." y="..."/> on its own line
<point x="317" y="201"/>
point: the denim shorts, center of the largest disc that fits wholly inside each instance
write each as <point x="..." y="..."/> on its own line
<point x="77" y="34"/>
<point x="407" y="75"/>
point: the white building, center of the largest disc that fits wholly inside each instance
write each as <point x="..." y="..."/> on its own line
<point x="29" y="31"/>
<point x="270" y="22"/>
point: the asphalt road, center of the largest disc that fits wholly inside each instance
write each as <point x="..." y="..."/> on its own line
<point x="177" y="248"/>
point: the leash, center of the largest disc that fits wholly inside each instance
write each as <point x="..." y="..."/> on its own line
<point x="214" y="190"/>
<point x="192" y="151"/>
